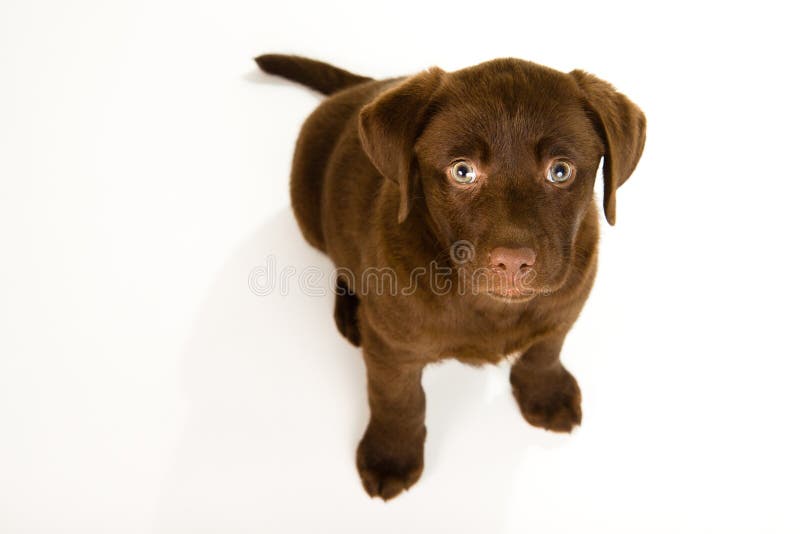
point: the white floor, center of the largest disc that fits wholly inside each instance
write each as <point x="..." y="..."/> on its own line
<point x="145" y="387"/>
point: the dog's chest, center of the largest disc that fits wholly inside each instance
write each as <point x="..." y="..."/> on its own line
<point x="467" y="332"/>
<point x="474" y="355"/>
<point x="488" y="345"/>
<point x="513" y="356"/>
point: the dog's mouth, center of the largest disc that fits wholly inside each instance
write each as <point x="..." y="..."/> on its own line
<point x="513" y="296"/>
<point x="511" y="289"/>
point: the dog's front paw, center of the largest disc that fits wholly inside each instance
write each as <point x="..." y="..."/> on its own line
<point x="552" y="403"/>
<point x="388" y="469"/>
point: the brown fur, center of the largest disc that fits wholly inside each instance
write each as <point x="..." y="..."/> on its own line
<point x="370" y="187"/>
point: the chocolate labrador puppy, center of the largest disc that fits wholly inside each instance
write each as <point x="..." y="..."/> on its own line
<point x="458" y="209"/>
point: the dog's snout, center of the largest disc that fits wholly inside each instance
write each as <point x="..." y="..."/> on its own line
<point x="511" y="261"/>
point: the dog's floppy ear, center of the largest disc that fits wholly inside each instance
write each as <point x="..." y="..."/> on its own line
<point x="389" y="126"/>
<point x="622" y="126"/>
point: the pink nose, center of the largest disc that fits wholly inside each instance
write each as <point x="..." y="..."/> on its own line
<point x="512" y="261"/>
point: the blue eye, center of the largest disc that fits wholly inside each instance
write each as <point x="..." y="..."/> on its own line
<point x="463" y="172"/>
<point x="560" y="172"/>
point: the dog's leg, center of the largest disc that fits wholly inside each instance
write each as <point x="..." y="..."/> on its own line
<point x="390" y="456"/>
<point x="345" y="312"/>
<point x="547" y="394"/>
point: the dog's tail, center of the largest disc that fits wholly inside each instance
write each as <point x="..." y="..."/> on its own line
<point x="317" y="75"/>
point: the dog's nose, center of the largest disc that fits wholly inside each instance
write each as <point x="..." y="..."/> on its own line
<point x="511" y="261"/>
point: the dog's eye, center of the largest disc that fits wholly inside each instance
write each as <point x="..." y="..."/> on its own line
<point x="463" y="172"/>
<point x="560" y="172"/>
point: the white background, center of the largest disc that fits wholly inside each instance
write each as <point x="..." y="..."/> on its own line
<point x="144" y="174"/>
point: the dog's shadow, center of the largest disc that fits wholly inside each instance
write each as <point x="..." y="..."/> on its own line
<point x="275" y="404"/>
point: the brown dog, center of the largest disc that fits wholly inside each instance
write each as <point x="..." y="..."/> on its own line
<point x="470" y="194"/>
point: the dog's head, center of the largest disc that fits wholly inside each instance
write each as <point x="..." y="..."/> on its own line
<point x="502" y="158"/>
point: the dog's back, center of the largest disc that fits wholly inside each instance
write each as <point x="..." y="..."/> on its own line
<point x="323" y="132"/>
